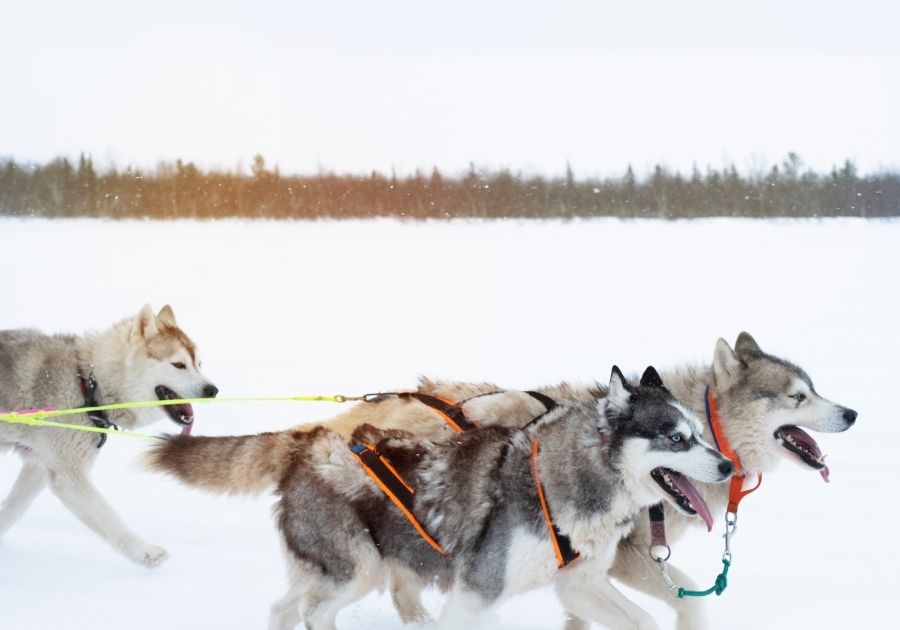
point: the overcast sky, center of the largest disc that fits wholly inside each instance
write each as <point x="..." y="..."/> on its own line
<point x="530" y="85"/>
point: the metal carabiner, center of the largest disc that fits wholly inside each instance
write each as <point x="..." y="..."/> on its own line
<point x="730" y="523"/>
<point x="730" y="529"/>
<point x="671" y="589"/>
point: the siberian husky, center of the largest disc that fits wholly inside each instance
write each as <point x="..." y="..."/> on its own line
<point x="763" y="403"/>
<point x="143" y="358"/>
<point x="477" y="495"/>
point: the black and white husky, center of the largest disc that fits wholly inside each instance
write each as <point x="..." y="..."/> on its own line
<point x="599" y="464"/>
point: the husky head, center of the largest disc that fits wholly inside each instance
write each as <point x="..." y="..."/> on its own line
<point x="161" y="362"/>
<point x="660" y="444"/>
<point x="765" y="400"/>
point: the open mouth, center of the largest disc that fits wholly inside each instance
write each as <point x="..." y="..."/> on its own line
<point x="801" y="444"/>
<point x="182" y="415"/>
<point x="683" y="493"/>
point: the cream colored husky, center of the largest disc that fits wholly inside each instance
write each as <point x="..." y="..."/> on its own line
<point x="143" y="358"/>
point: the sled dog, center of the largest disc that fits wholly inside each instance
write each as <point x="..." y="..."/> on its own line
<point x="143" y="358"/>
<point x="764" y="402"/>
<point x="477" y="495"/>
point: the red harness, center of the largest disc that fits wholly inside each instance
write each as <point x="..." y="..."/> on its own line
<point x="736" y="490"/>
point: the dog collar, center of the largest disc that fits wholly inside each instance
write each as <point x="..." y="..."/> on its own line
<point x="89" y="393"/>
<point x="659" y="547"/>
<point x="736" y="490"/>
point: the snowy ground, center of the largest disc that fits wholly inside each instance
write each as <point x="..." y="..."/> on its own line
<point x="283" y="308"/>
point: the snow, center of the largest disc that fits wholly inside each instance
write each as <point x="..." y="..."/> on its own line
<point x="330" y="307"/>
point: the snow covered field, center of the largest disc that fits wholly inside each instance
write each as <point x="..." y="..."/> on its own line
<point x="283" y="308"/>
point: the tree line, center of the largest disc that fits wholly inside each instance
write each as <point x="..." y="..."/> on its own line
<point x="181" y="190"/>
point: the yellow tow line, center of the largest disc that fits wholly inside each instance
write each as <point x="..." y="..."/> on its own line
<point x="38" y="417"/>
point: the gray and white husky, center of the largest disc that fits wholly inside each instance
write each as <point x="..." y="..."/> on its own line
<point x="763" y="402"/>
<point x="143" y="358"/>
<point x="600" y="464"/>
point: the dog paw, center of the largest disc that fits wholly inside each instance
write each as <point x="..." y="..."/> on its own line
<point x="149" y="556"/>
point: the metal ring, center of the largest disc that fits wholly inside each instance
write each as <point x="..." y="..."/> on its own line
<point x="652" y="557"/>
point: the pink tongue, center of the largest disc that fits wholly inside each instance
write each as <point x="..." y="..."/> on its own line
<point x="825" y="472"/>
<point x="693" y="496"/>
<point x="186" y="429"/>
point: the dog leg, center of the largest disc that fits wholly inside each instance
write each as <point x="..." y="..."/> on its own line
<point x="634" y="567"/>
<point x="321" y="613"/>
<point x="592" y="596"/>
<point x="285" y="613"/>
<point x="406" y="593"/>
<point x="464" y="609"/>
<point x="78" y="494"/>
<point x="31" y="480"/>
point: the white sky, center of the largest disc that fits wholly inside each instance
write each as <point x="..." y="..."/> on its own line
<point x="362" y="85"/>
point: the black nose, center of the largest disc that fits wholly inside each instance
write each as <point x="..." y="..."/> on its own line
<point x="726" y="467"/>
<point x="210" y="391"/>
<point x="849" y="416"/>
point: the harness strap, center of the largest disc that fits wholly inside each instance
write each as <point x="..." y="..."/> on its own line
<point x="549" y="405"/>
<point x="659" y="547"/>
<point x="450" y="412"/>
<point x="544" y="399"/>
<point x="736" y="490"/>
<point x="98" y="417"/>
<point x="401" y="493"/>
<point x="562" y="545"/>
<point x="394" y="486"/>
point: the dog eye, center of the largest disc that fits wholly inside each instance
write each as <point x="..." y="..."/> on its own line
<point x="798" y="397"/>
<point x="675" y="438"/>
<point x="178" y="365"/>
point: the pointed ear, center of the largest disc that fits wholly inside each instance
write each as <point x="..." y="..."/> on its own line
<point x="145" y="323"/>
<point x="651" y="378"/>
<point x="619" y="394"/>
<point x="166" y="316"/>
<point x="746" y="345"/>
<point x="726" y="365"/>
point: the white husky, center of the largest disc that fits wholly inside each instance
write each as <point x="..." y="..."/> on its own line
<point x="142" y="358"/>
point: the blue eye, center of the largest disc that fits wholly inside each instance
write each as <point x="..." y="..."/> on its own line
<point x="798" y="397"/>
<point x="675" y="438"/>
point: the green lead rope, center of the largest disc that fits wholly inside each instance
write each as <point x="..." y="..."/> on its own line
<point x="718" y="588"/>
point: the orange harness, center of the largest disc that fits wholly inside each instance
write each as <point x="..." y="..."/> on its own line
<point x="736" y="493"/>
<point x="736" y="490"/>
<point x="394" y="486"/>
<point x="401" y="494"/>
<point x="562" y="546"/>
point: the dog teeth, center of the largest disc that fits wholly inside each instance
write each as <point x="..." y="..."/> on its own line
<point x="668" y="479"/>
<point x="790" y="440"/>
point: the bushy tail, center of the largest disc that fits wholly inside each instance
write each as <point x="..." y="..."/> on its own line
<point x="242" y="464"/>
